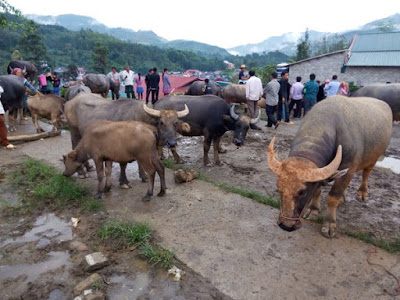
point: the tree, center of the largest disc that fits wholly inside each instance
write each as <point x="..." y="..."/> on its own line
<point x="303" y="47"/>
<point x="32" y="45"/>
<point x="265" y="72"/>
<point x="386" y="26"/>
<point x="99" y="58"/>
<point x="6" y="8"/>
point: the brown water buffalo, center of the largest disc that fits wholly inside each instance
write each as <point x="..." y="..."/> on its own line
<point x="122" y="142"/>
<point x="196" y="88"/>
<point x="86" y="108"/>
<point x="211" y="117"/>
<point x="46" y="106"/>
<point x="390" y="93"/>
<point x="98" y="83"/>
<point x="337" y="138"/>
<point x="236" y="93"/>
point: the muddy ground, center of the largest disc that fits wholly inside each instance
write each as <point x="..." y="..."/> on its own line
<point x="229" y="245"/>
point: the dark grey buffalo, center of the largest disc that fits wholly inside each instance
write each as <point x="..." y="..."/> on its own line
<point x="98" y="83"/>
<point x="86" y="108"/>
<point x="28" y="69"/>
<point x="337" y="138"/>
<point x="196" y="88"/>
<point x="390" y="93"/>
<point x="13" y="97"/>
<point x="209" y="116"/>
<point x="74" y="90"/>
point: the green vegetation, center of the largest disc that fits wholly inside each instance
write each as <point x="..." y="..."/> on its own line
<point x="43" y="186"/>
<point x="390" y="246"/>
<point x="138" y="235"/>
<point x="264" y="199"/>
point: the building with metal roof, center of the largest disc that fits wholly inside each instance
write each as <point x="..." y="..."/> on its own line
<point x="371" y="58"/>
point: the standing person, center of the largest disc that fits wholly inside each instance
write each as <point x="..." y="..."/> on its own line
<point x="296" y="94"/>
<point x="139" y="86"/>
<point x="272" y="98"/>
<point x="18" y="72"/>
<point x="147" y="81"/>
<point x="48" y="88"/>
<point x="242" y="76"/>
<point x="127" y="77"/>
<point x="154" y="86"/>
<point x="310" y="95"/>
<point x="3" y="128"/>
<point x="284" y="93"/>
<point x="321" y="92"/>
<point x="114" y="77"/>
<point x="344" y="89"/>
<point x="166" y="82"/>
<point x="333" y="87"/>
<point x="254" y="91"/>
<point x="56" y="85"/>
<point x="207" y="89"/>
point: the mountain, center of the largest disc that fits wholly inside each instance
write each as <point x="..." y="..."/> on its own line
<point x="76" y="23"/>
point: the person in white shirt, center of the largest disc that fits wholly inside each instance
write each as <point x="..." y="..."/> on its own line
<point x="127" y="76"/>
<point x="114" y="76"/>
<point x="296" y="94"/>
<point x="254" y="91"/>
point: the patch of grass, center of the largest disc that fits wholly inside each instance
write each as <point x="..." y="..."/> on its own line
<point x="390" y="246"/>
<point x="137" y="234"/>
<point x="42" y="185"/>
<point x="264" y="199"/>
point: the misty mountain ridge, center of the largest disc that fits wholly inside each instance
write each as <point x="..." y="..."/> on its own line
<point x="285" y="43"/>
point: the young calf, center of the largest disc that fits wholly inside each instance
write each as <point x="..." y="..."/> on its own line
<point x="122" y="142"/>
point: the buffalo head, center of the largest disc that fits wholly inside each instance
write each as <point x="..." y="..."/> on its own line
<point x="168" y="123"/>
<point x="71" y="163"/>
<point x="241" y="125"/>
<point x="298" y="179"/>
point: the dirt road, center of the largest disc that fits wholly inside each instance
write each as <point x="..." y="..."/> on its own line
<point x="235" y="242"/>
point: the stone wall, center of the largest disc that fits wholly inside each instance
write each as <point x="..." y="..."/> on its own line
<point x="325" y="67"/>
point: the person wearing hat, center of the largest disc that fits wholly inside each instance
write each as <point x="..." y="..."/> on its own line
<point x="242" y="76"/>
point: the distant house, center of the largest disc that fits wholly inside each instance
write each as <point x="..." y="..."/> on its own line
<point x="371" y="58"/>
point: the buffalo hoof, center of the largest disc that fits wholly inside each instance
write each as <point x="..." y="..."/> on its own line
<point x="218" y="163"/>
<point x="99" y="195"/>
<point x="90" y="169"/>
<point x="146" y="198"/>
<point x="362" y="196"/>
<point x="83" y="176"/>
<point x="161" y="193"/>
<point x="144" y="179"/>
<point x="107" y="188"/>
<point x="12" y="129"/>
<point x="124" y="186"/>
<point x="328" y="230"/>
<point x="311" y="214"/>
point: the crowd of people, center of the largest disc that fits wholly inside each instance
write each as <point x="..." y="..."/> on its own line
<point x="282" y="97"/>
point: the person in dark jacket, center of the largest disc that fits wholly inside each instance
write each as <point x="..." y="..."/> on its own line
<point x="207" y="89"/>
<point x="321" y="92"/>
<point x="310" y="94"/>
<point x="283" y="103"/>
<point x="154" y="86"/>
<point x="147" y="81"/>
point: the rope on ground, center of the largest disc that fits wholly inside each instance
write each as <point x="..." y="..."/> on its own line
<point x="397" y="279"/>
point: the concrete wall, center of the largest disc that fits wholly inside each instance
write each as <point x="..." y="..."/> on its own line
<point x="326" y="66"/>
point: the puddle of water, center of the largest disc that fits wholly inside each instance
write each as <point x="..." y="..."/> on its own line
<point x="47" y="227"/>
<point x="33" y="271"/>
<point x="129" y="289"/>
<point x="390" y="163"/>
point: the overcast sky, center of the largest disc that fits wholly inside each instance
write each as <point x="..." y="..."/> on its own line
<point x="222" y="23"/>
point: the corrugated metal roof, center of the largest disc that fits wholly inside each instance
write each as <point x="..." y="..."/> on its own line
<point x="388" y="41"/>
<point x="375" y="59"/>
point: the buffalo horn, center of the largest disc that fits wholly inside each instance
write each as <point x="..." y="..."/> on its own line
<point x="24" y="71"/>
<point x="255" y="121"/>
<point x="183" y="113"/>
<point x="234" y="115"/>
<point x="152" y="112"/>
<point x="273" y="163"/>
<point x="319" y="174"/>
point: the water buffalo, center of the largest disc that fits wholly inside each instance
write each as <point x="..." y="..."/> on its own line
<point x="123" y="142"/>
<point x="209" y="116"/>
<point x="13" y="97"/>
<point x="98" y="83"/>
<point x="196" y="88"/>
<point x="74" y="90"/>
<point x="29" y="70"/>
<point x="390" y="93"/>
<point x="236" y="93"/>
<point x="338" y="137"/>
<point x="86" y="108"/>
<point x="47" y="106"/>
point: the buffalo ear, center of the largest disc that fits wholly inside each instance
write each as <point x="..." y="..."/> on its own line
<point x="185" y="127"/>
<point x="228" y="119"/>
<point x="338" y="174"/>
<point x="73" y="154"/>
<point x="64" y="158"/>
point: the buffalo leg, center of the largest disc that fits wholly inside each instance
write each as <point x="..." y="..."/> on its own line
<point x="151" y="172"/>
<point x="216" y="142"/>
<point x="315" y="207"/>
<point x="123" y="181"/>
<point x="206" y="147"/>
<point x="362" y="193"/>
<point x="108" y="175"/>
<point x="160" y="169"/>
<point x="54" y="121"/>
<point x="100" y="176"/>
<point x="35" y="119"/>
<point x="142" y="173"/>
<point x="335" y="197"/>
<point x="11" y="121"/>
<point x="20" y="113"/>
<point x="176" y="156"/>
